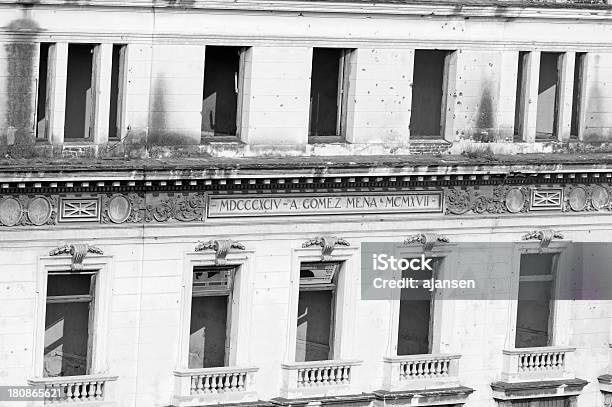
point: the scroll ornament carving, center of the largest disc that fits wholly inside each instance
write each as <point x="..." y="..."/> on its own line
<point x="78" y="251"/>
<point x="428" y="240"/>
<point x="184" y="208"/>
<point x="221" y="248"/>
<point x="607" y="399"/>
<point x="501" y="199"/>
<point x="544" y="236"/>
<point x="327" y="243"/>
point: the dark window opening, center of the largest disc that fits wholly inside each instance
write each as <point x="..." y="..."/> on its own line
<point x="80" y="95"/>
<point x="415" y="329"/>
<point x="210" y="316"/>
<point x="521" y="92"/>
<point x="535" y="298"/>
<point x="315" y="318"/>
<point x="328" y="87"/>
<point x="428" y="93"/>
<point x="41" y="109"/>
<point x="576" y="98"/>
<point x="68" y="315"/>
<point x="548" y="96"/>
<point x="117" y="84"/>
<point x="222" y="91"/>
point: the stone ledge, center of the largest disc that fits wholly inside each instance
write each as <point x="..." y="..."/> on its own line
<point x="353" y="399"/>
<point x="539" y="389"/>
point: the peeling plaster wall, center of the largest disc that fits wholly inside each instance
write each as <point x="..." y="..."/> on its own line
<point x="165" y="60"/>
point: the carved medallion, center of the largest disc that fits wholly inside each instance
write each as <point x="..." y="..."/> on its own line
<point x="10" y="211"/>
<point x="119" y="209"/>
<point x="515" y="200"/>
<point x="39" y="211"/>
<point x="577" y="199"/>
<point x="599" y="197"/>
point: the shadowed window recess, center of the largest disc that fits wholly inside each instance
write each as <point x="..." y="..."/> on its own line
<point x="223" y="89"/>
<point x="117" y="89"/>
<point x="210" y="316"/>
<point x="80" y="93"/>
<point x="42" y="96"/>
<point x="415" y="331"/>
<point x="429" y="89"/>
<point x="316" y="309"/>
<point x="328" y="94"/>
<point x="69" y="317"/>
<point x="548" y="95"/>
<point x="577" y="102"/>
<point x="534" y="319"/>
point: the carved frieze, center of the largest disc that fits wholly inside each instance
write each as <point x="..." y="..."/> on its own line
<point x="26" y="210"/>
<point x="580" y="198"/>
<point x="501" y="199"/>
<point x="129" y="207"/>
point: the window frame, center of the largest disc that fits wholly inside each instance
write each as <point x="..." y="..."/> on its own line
<point x="333" y="287"/>
<point x="234" y="270"/>
<point x="239" y="309"/>
<point x="99" y="319"/>
<point x="348" y="281"/>
<point x="441" y="338"/>
<point x="240" y="83"/>
<point x="346" y="59"/>
<point x="560" y="311"/>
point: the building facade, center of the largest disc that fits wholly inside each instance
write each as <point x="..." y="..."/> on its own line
<point x="189" y="192"/>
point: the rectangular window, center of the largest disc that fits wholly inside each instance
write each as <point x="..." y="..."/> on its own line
<point x="223" y="82"/>
<point x="80" y="95"/>
<point x="210" y="316"/>
<point x="548" y="95"/>
<point x="579" y="73"/>
<point x="328" y="90"/>
<point x="521" y="93"/>
<point x="535" y="300"/>
<point x="43" y="79"/>
<point x="429" y="86"/>
<point x="415" y="329"/>
<point x="117" y="91"/>
<point x="68" y="321"/>
<point x="316" y="308"/>
<point x="543" y="402"/>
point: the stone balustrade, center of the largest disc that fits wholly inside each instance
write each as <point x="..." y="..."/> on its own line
<point x="544" y="363"/>
<point x="76" y="389"/>
<point x="421" y="372"/>
<point x="320" y="378"/>
<point x="214" y="385"/>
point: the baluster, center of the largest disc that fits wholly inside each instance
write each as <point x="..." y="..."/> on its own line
<point x="319" y="376"/>
<point x="325" y="375"/>
<point x="69" y="390"/>
<point x="207" y="384"/>
<point x="312" y="376"/>
<point x="420" y="368"/>
<point x="345" y="374"/>
<point x="241" y="380"/>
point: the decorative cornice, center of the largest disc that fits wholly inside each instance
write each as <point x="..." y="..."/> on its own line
<point x="428" y="240"/>
<point x="545" y="236"/>
<point x="221" y="248"/>
<point x="78" y="251"/>
<point x="327" y="243"/>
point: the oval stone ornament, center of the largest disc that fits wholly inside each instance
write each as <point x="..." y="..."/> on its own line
<point x="10" y="211"/>
<point x="119" y="209"/>
<point x="599" y="197"/>
<point x="39" y="211"/>
<point x="578" y="199"/>
<point x="515" y="201"/>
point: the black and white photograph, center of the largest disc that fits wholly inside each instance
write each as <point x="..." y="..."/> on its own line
<point x="306" y="203"/>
